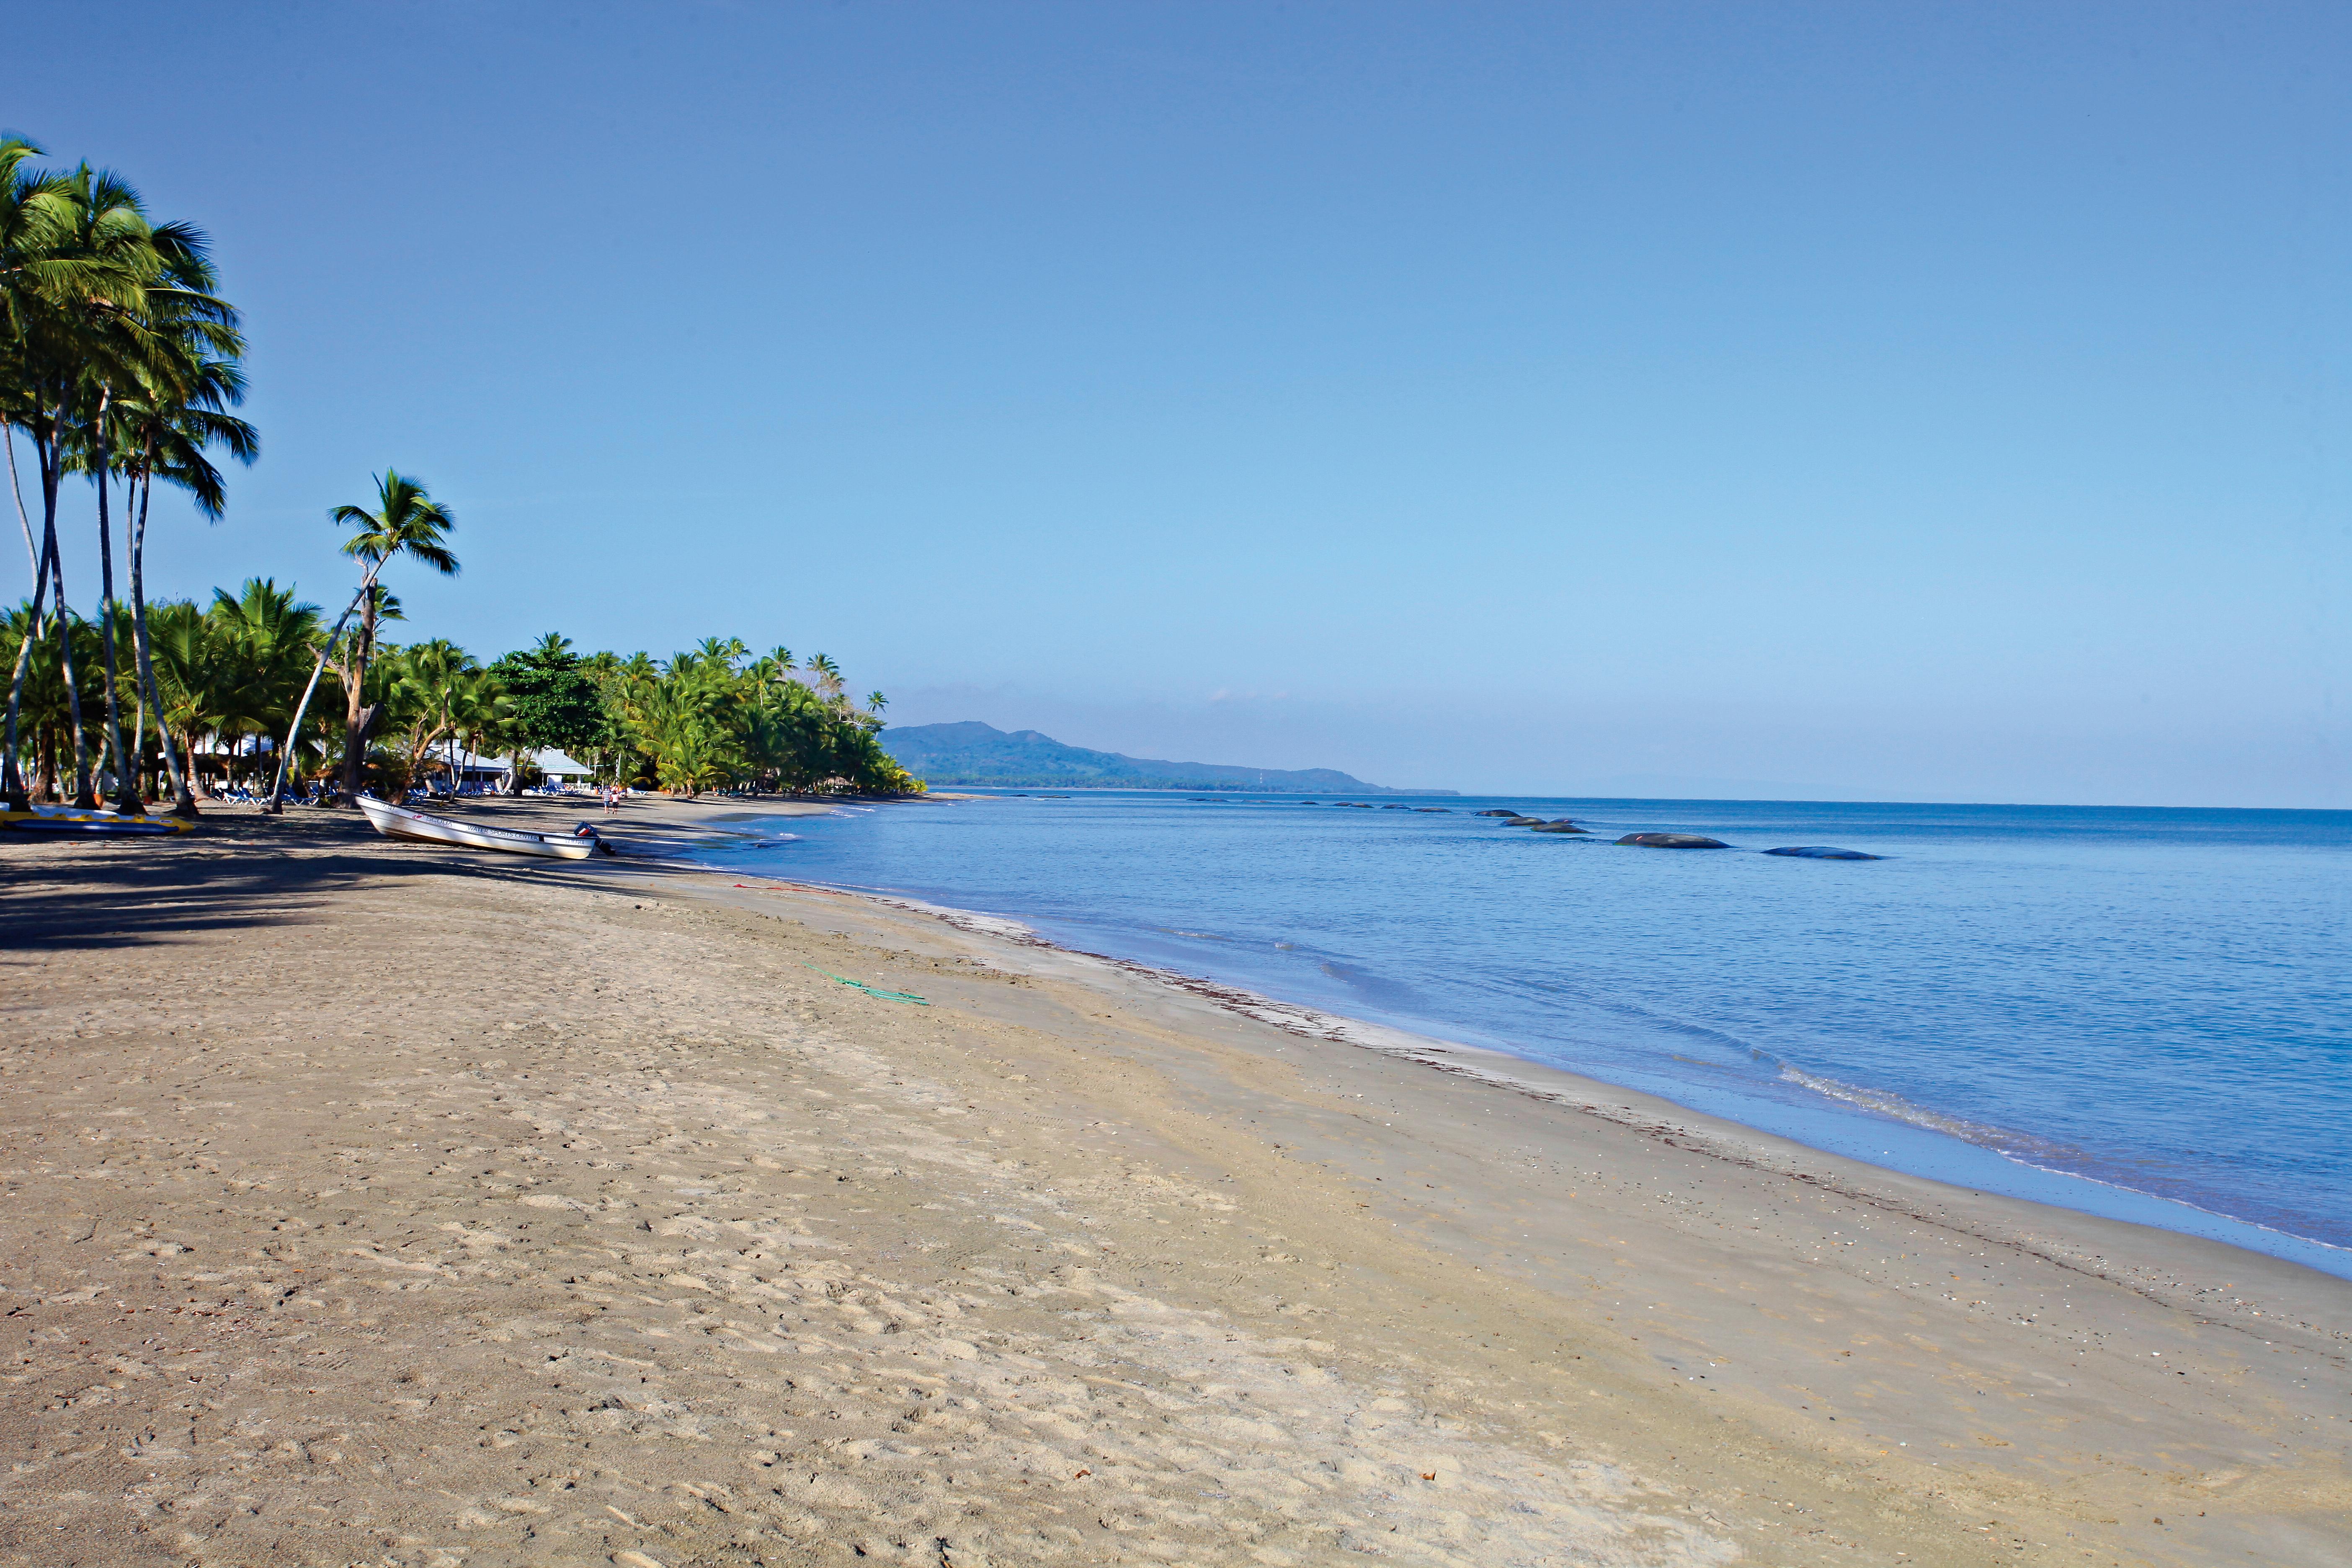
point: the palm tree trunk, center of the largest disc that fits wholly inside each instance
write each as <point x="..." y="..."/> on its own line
<point x="52" y="454"/>
<point x="183" y="800"/>
<point x="352" y="724"/>
<point x="139" y="741"/>
<point x="126" y="790"/>
<point x="354" y="754"/>
<point x="12" y="775"/>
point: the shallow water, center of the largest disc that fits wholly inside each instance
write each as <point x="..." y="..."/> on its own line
<point x="2139" y="1013"/>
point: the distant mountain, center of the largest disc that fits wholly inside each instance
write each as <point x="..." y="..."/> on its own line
<point x="976" y="753"/>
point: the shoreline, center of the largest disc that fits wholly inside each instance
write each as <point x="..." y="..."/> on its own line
<point x="2128" y="1205"/>
<point x="572" y="1214"/>
<point x="2042" y="1225"/>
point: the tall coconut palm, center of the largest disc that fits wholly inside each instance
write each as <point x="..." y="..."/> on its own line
<point x="131" y="349"/>
<point x="876" y="702"/>
<point x="407" y="521"/>
<point x="828" y="676"/>
<point x="38" y="269"/>
<point x="163" y="433"/>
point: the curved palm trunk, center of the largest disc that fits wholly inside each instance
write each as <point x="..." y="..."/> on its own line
<point x="294" y="731"/>
<point x="13" y="785"/>
<point x="184" y="799"/>
<point x="126" y="783"/>
<point x="354" y="744"/>
<point x="12" y="773"/>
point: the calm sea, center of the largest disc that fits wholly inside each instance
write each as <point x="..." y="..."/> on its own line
<point x="2144" y="1014"/>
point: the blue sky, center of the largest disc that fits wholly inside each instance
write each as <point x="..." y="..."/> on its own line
<point x="1907" y="402"/>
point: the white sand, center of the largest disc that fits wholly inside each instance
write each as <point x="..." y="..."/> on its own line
<point x="370" y="1204"/>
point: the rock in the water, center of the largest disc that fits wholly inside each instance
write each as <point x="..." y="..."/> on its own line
<point x="1499" y="811"/>
<point x="1523" y="822"/>
<point x="1562" y="825"/>
<point x="1824" y="852"/>
<point x="1674" y="841"/>
<point x="1433" y="808"/>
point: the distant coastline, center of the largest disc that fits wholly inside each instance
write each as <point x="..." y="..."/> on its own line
<point x="973" y="754"/>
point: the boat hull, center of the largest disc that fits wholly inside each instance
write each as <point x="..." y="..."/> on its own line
<point x="54" y="822"/>
<point x="399" y="822"/>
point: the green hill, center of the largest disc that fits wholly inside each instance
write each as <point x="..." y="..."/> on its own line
<point x="976" y="753"/>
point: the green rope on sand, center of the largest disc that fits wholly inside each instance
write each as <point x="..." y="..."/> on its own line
<point x="869" y="990"/>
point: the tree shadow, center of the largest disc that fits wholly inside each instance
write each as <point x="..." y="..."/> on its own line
<point x="233" y="873"/>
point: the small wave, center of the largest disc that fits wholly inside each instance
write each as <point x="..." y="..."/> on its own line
<point x="2034" y="1153"/>
<point x="1888" y="1104"/>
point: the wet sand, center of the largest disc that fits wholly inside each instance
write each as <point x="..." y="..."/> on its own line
<point x="369" y="1203"/>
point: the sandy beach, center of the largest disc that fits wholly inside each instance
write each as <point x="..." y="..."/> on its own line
<point x="369" y="1203"/>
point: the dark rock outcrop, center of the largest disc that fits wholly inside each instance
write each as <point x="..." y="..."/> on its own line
<point x="1824" y="852"/>
<point x="1562" y="825"/>
<point x="1498" y="811"/>
<point x="1673" y="841"/>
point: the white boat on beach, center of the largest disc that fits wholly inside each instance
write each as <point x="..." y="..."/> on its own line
<point x="399" y="822"/>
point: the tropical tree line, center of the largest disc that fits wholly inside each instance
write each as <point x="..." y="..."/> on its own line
<point x="229" y="678"/>
<point x="119" y="365"/>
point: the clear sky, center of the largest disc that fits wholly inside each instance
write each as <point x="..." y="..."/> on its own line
<point x="1916" y="401"/>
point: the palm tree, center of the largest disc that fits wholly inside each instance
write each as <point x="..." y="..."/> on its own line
<point x="108" y="221"/>
<point x="266" y="638"/>
<point x="38" y="269"/>
<point x="876" y="702"/>
<point x="439" y="689"/>
<point x="164" y="431"/>
<point x="407" y="521"/>
<point x="828" y="676"/>
<point x="725" y="652"/>
<point x="192" y="677"/>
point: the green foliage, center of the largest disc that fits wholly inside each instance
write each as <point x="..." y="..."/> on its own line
<point x="119" y="362"/>
<point x="555" y="701"/>
<point x="699" y="721"/>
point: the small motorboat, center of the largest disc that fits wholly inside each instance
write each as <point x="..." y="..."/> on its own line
<point x="399" y="822"/>
<point x="64" y="822"/>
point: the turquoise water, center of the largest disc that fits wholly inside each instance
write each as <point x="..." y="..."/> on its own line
<point x="2145" y="1014"/>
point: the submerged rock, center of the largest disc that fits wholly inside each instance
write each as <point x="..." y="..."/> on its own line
<point x="1674" y="841"/>
<point x="1824" y="852"/>
<point x="1499" y="811"/>
<point x="1562" y="825"/>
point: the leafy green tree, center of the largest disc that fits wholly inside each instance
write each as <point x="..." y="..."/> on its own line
<point x="555" y="702"/>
